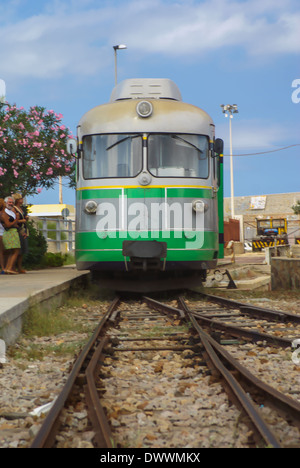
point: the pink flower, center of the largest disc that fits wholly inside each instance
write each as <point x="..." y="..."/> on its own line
<point x="29" y="163"/>
<point x="39" y="190"/>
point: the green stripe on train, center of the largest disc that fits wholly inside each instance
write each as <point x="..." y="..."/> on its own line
<point x="143" y="192"/>
<point x="90" y="246"/>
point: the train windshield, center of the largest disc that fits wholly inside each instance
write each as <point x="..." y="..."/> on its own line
<point x="181" y="155"/>
<point x="114" y="155"/>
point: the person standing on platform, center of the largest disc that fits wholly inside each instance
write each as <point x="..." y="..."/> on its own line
<point x="11" y="239"/>
<point x="22" y="229"/>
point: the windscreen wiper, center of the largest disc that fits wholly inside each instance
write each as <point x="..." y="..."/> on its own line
<point x="176" y="137"/>
<point x="121" y="141"/>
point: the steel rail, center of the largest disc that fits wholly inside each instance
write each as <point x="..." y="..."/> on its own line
<point x="103" y="436"/>
<point x="239" y="393"/>
<point x="165" y="309"/>
<point x="243" y="332"/>
<point x="282" y="402"/>
<point x="254" y="311"/>
<point x="46" y="435"/>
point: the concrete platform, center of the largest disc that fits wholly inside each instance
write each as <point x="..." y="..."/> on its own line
<point x="41" y="288"/>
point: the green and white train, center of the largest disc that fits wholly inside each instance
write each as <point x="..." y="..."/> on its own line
<point x="149" y="198"/>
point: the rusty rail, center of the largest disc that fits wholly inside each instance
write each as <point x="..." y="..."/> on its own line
<point x="235" y="388"/>
<point x="282" y="402"/>
<point x="103" y="437"/>
<point x="253" y="311"/>
<point x="242" y="332"/>
<point x="46" y="436"/>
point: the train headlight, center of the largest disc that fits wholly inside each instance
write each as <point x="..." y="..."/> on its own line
<point x="91" y="207"/>
<point x="144" y="109"/>
<point x="199" y="206"/>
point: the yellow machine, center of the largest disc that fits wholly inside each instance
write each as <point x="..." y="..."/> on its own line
<point x="270" y="232"/>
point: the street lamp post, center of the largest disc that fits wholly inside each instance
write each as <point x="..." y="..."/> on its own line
<point x="117" y="47"/>
<point x="229" y="110"/>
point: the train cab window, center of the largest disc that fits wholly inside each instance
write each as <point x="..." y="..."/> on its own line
<point x="114" y="155"/>
<point x="181" y="155"/>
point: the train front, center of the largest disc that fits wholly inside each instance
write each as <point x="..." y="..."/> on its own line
<point x="149" y="204"/>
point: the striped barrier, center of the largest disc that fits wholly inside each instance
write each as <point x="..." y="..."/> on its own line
<point x="258" y="244"/>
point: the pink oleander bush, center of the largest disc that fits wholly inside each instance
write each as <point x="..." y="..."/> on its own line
<point x="32" y="150"/>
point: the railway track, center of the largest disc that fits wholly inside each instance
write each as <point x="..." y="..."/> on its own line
<point x="184" y="352"/>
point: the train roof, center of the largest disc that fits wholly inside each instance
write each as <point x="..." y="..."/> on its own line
<point x="146" y="88"/>
<point x="169" y="112"/>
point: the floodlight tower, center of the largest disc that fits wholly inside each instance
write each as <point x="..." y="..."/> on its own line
<point x="229" y="110"/>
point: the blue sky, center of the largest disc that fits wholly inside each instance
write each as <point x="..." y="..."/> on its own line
<point x="59" y="54"/>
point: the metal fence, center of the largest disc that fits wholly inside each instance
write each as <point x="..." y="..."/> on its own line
<point x="59" y="233"/>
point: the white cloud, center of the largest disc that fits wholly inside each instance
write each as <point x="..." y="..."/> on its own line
<point x="44" y="45"/>
<point x="71" y="37"/>
<point x="251" y="136"/>
<point x="201" y="27"/>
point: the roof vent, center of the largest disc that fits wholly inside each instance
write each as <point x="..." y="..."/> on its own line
<point x="146" y="88"/>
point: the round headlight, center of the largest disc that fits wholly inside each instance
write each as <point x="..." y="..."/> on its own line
<point x="91" y="207"/>
<point x="199" y="206"/>
<point x="144" y="109"/>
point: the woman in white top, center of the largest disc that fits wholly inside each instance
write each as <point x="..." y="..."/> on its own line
<point x="11" y="239"/>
